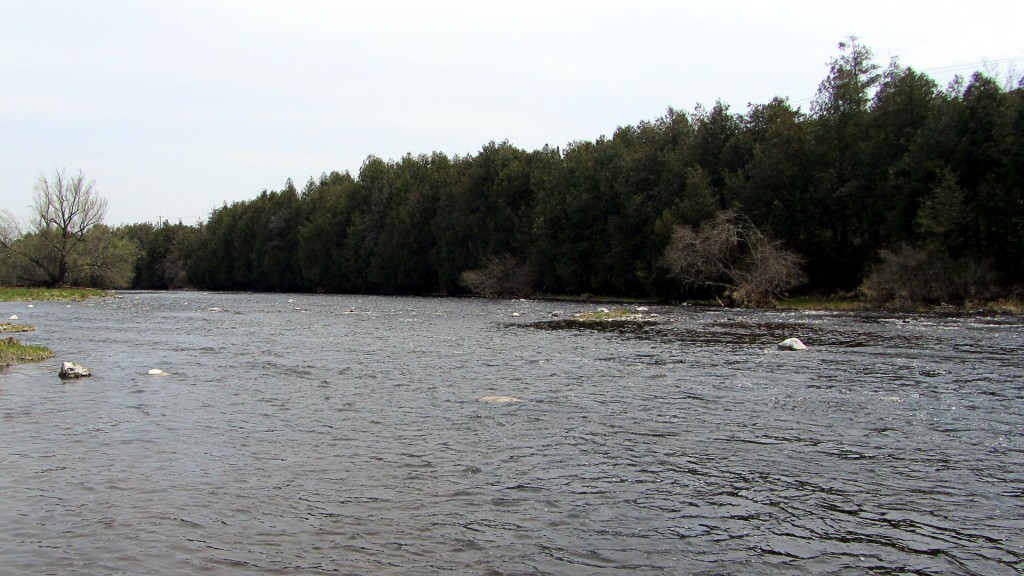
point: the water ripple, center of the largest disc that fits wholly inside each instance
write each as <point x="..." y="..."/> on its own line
<point x="342" y="435"/>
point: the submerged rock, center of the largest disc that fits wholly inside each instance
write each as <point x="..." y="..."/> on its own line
<point x="792" y="344"/>
<point x="71" y="371"/>
<point x="499" y="399"/>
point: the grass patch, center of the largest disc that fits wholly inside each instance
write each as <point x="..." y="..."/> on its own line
<point x="9" y="294"/>
<point x="12" y="351"/>
<point x="15" y="328"/>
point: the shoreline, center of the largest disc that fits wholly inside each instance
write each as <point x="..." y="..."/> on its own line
<point x="1008" y="305"/>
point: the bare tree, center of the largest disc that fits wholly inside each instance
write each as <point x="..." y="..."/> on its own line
<point x="64" y="210"/>
<point x="729" y="255"/>
<point x="499" y="277"/>
<point x="10" y="229"/>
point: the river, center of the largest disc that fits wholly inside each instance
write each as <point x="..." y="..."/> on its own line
<point x="303" y="434"/>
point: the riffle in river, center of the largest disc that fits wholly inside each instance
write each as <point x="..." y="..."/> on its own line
<point x="304" y="434"/>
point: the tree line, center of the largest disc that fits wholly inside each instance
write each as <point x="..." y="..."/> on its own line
<point x="889" y="184"/>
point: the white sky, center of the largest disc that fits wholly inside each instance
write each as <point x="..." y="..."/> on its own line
<point x="175" y="107"/>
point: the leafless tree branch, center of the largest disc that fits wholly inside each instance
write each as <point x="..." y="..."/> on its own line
<point x="729" y="254"/>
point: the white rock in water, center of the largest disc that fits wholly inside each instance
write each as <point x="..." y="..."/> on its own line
<point x="70" y="370"/>
<point x="499" y="399"/>
<point x="792" y="344"/>
<point x="157" y="372"/>
<point x="14" y="317"/>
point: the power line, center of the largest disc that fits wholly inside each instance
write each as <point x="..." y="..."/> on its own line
<point x="974" y="65"/>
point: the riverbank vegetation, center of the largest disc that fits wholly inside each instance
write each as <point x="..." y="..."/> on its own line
<point x="890" y="187"/>
<point x="30" y="294"/>
<point x="836" y="303"/>
<point x="12" y="351"/>
<point x="65" y="242"/>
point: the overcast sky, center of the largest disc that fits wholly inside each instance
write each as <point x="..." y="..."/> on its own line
<point x="176" y="107"/>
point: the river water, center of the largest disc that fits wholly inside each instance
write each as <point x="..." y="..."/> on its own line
<point x="344" y="435"/>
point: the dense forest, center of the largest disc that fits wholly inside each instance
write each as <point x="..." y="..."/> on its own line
<point x="889" y="184"/>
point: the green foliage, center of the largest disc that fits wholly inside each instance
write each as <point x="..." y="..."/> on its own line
<point x="110" y="260"/>
<point x="244" y="246"/>
<point x="323" y="233"/>
<point x="485" y="212"/>
<point x="100" y="259"/>
<point x="165" y="255"/>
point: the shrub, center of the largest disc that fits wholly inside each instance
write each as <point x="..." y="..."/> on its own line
<point x="912" y="276"/>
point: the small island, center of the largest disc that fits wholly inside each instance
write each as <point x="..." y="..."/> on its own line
<point x="12" y="351"/>
<point x="619" y="314"/>
<point x="15" y="328"/>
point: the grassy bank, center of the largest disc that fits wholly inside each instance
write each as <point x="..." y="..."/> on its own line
<point x="38" y="294"/>
<point x="12" y="351"/>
